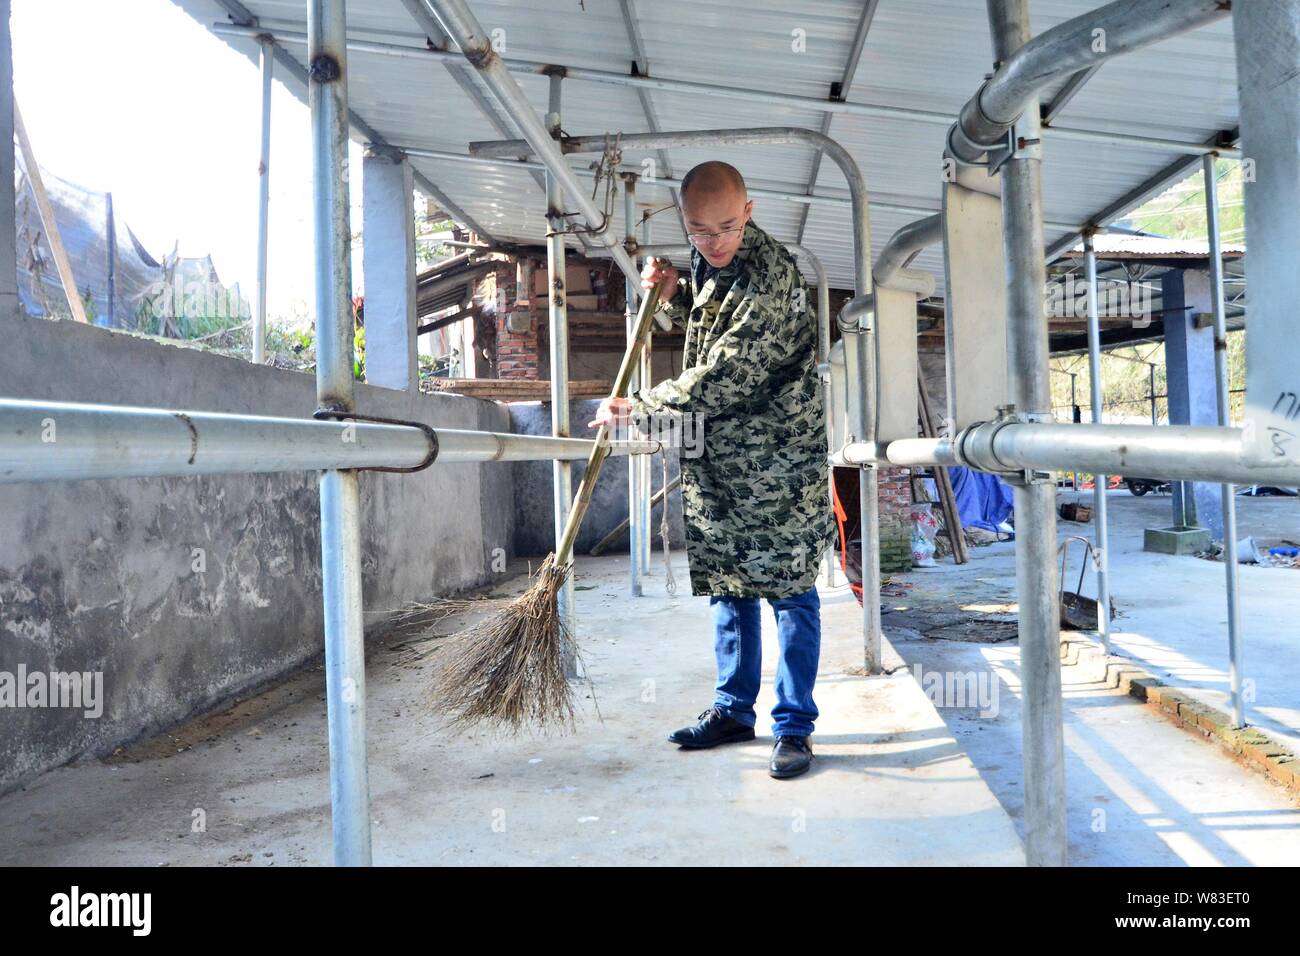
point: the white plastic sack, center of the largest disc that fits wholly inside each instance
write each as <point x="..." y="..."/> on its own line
<point x="925" y="526"/>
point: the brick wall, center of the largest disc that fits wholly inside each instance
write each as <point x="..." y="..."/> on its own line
<point x="895" y="503"/>
<point x="518" y="354"/>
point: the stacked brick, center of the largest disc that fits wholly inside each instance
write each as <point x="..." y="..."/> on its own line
<point x="518" y="353"/>
<point x="895" y="504"/>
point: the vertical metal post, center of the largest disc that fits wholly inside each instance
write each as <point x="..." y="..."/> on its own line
<point x="635" y="529"/>
<point x="1099" y="523"/>
<point x="858" y="371"/>
<point x="340" y="499"/>
<point x="1221" y="387"/>
<point x="644" y="461"/>
<point x="561" y="471"/>
<point x="1036" y="574"/>
<point x="110" y="237"/>
<point x="263" y="201"/>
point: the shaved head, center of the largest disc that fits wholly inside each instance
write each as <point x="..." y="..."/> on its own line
<point x="713" y="178"/>
<point x="716" y="207"/>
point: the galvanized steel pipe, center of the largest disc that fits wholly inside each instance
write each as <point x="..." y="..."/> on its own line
<point x="905" y="243"/>
<point x="1122" y="26"/>
<point x="66" y="441"/>
<point x="1043" y="746"/>
<point x="340" y="495"/>
<point x="1099" y="481"/>
<point x="263" y="201"/>
<point x="631" y="294"/>
<point x="464" y="28"/>
<point x="695" y="139"/>
<point x="418" y="49"/>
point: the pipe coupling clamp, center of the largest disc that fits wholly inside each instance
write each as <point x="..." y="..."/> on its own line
<point x="858" y="315"/>
<point x="975" y="445"/>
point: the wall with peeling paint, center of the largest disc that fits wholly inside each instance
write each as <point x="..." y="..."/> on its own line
<point x="185" y="591"/>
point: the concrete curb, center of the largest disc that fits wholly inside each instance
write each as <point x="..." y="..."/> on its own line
<point x="1249" y="746"/>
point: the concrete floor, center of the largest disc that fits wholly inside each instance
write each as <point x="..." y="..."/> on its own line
<point x="889" y="785"/>
<point x="1140" y="790"/>
<point x="902" y="776"/>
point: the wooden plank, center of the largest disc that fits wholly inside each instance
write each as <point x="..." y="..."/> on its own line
<point x="52" y="235"/>
<point x="518" y="390"/>
<point x="948" y="501"/>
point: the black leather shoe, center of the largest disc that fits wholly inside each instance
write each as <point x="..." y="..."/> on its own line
<point x="714" y="728"/>
<point x="791" y="756"/>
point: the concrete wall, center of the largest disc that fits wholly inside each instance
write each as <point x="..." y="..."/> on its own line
<point x="8" y="262"/>
<point x="104" y="575"/>
<point x="534" y="508"/>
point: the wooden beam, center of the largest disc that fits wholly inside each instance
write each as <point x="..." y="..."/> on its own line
<point x="52" y="235"/>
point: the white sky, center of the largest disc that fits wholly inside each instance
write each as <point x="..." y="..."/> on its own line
<point x="138" y="98"/>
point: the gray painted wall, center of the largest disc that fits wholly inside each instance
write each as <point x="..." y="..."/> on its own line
<point x="99" y="575"/>
<point x="534" y="507"/>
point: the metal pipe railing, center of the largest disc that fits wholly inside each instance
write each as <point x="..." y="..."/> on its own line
<point x="557" y="299"/>
<point x="694" y="139"/>
<point x="1228" y="491"/>
<point x="463" y="27"/>
<point x="340" y="493"/>
<point x="1037" y="590"/>
<point x="670" y="182"/>
<point x="1177" y="452"/>
<point x="1066" y="48"/>
<point x="290" y="32"/>
<point x="857" y="327"/>
<point x="905" y="243"/>
<point x="643" y="464"/>
<point x="1099" y="481"/>
<point x="263" y="201"/>
<point x="631" y="292"/>
<point x="65" y="441"/>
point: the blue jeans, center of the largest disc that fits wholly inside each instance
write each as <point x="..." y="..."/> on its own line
<point x="737" y="643"/>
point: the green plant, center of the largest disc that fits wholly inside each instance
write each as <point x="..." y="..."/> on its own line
<point x="359" y="353"/>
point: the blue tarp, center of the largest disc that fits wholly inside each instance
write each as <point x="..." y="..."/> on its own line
<point x="983" y="500"/>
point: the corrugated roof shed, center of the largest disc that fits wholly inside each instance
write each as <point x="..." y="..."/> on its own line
<point x="928" y="55"/>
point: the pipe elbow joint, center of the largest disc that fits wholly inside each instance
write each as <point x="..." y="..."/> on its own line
<point x="858" y="314"/>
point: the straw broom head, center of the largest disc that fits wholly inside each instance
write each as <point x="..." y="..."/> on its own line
<point x="509" y="671"/>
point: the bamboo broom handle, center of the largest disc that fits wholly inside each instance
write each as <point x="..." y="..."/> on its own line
<point x="600" y="451"/>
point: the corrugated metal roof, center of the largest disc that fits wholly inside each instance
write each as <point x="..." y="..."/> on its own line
<point x="924" y="54"/>
<point x="1118" y="246"/>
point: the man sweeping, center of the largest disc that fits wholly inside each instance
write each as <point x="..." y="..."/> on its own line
<point x="755" y="501"/>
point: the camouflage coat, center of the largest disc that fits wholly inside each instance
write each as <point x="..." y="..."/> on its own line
<point x="755" y="501"/>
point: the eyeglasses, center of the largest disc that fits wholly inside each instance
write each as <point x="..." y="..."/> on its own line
<point x="713" y="238"/>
